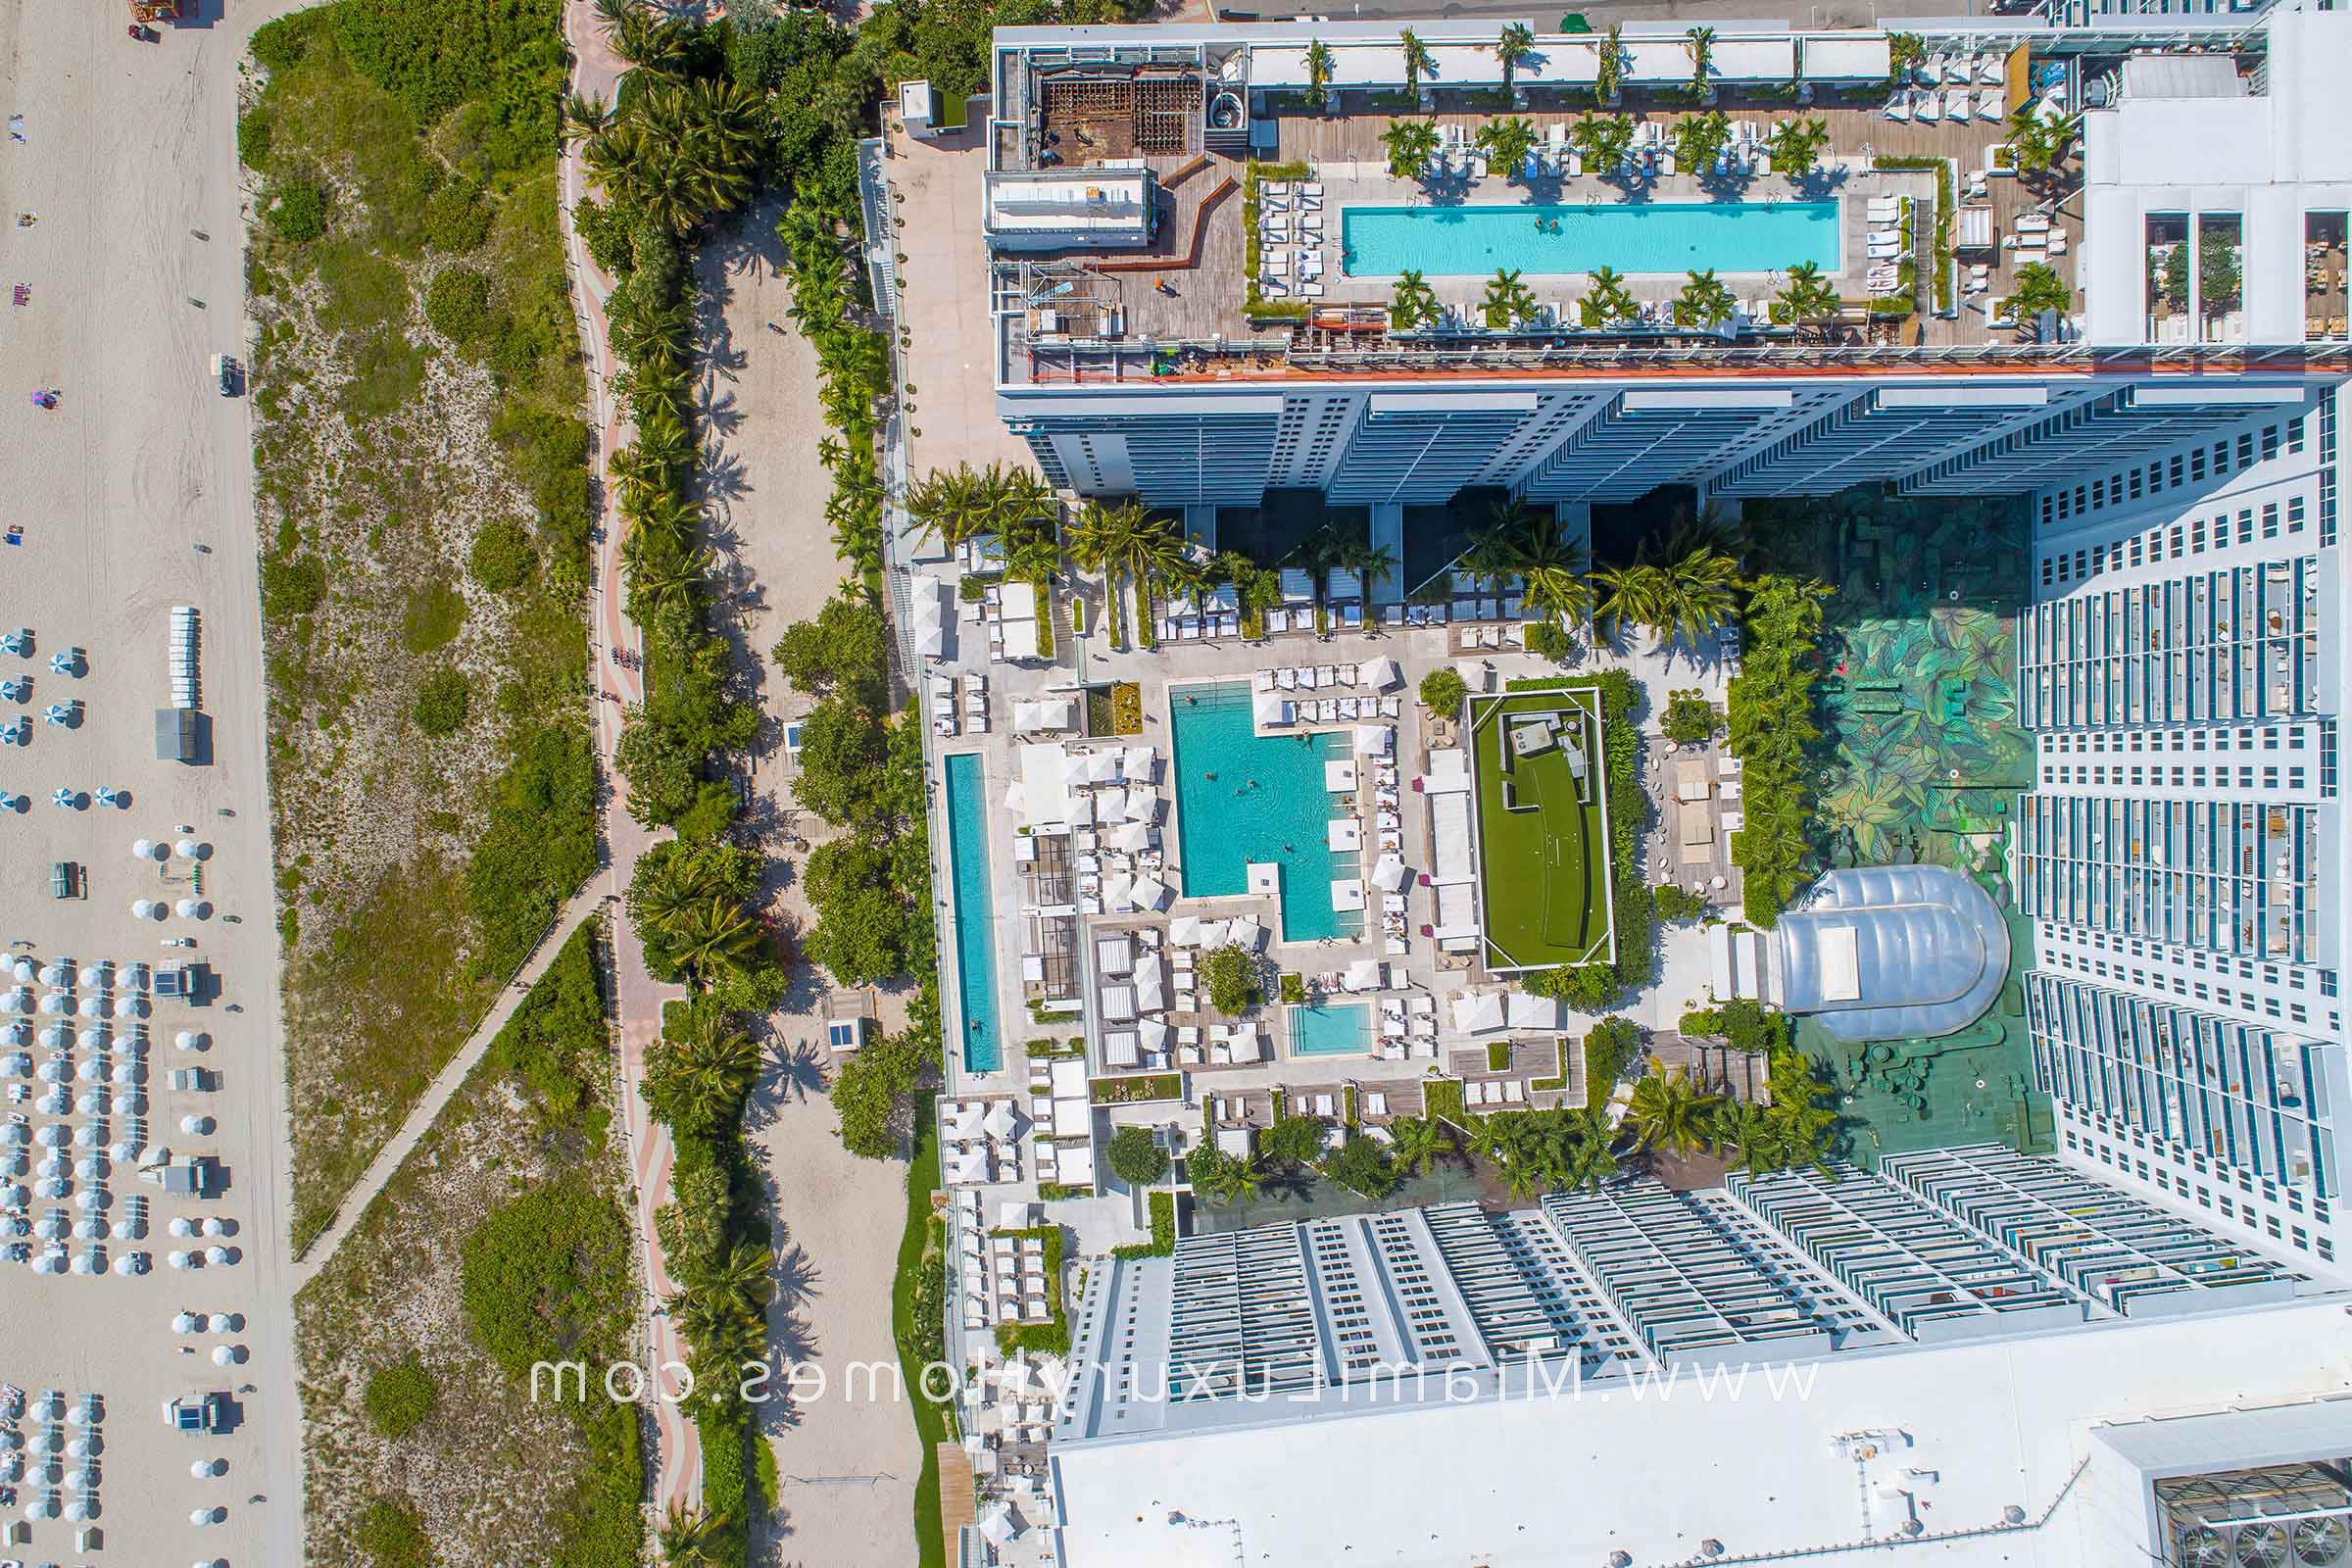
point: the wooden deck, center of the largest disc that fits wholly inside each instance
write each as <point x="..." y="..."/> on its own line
<point x="957" y="1506"/>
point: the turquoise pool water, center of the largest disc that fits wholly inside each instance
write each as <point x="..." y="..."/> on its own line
<point x="1241" y="798"/>
<point x="1641" y="237"/>
<point x="975" y="914"/>
<point x="1331" y="1031"/>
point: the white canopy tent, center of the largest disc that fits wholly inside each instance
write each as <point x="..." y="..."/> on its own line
<point x="1479" y="1012"/>
<point x="1390" y="874"/>
<point x="1381" y="674"/>
<point x="1038" y="713"/>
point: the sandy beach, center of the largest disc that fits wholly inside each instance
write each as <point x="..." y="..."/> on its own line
<point x="133" y="496"/>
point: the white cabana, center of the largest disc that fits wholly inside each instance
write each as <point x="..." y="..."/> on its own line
<point x="1185" y="931"/>
<point x="1344" y="834"/>
<point x="1119" y="1048"/>
<point x="1142" y="763"/>
<point x="998" y="1123"/>
<point x="1020" y="638"/>
<point x="1362" y="975"/>
<point x="1118" y="1003"/>
<point x="1346" y="893"/>
<point x="1150" y="893"/>
<point x="1767" y="60"/>
<point x="1381" y="674"/>
<point x="1031" y="714"/>
<point x="1115" y="954"/>
<point x="1131" y="836"/>
<point x="1074" y="1164"/>
<point x="1015" y="1215"/>
<point x="1390" y="874"/>
<point x="930" y="627"/>
<point x="1524" y="1011"/>
<point x="1374" y="739"/>
<point x="1247" y="934"/>
<point x="1151" y="988"/>
<point x="1479" y="1012"/>
<point x="1273" y="710"/>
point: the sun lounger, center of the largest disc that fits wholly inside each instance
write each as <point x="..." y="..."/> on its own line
<point x="1898" y="107"/>
<point x="1928" y="109"/>
<point x="1991" y="106"/>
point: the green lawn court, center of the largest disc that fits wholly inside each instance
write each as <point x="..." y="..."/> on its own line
<point x="1542" y="850"/>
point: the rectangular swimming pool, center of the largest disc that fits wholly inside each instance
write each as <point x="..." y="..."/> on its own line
<point x="1636" y="238"/>
<point x="1329" y="1030"/>
<point x="1243" y="797"/>
<point x="975" y="916"/>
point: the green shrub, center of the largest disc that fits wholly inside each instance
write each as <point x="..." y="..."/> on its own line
<point x="604" y="230"/>
<point x="1293" y="987"/>
<point x="1690" y="719"/>
<point x="1230" y="977"/>
<point x="297" y="211"/>
<point x="441" y="700"/>
<point x="501" y="558"/>
<point x="253" y="139"/>
<point x="544" y="1273"/>
<point x="1442" y="690"/>
<point x="538" y="845"/>
<point x="1549" y="640"/>
<point x="399" y="1397"/>
<point x="433" y="615"/>
<point x="281" y="44"/>
<point x="455" y="219"/>
<point x="392" y="1535"/>
<point x="1609" y="1049"/>
<point x="1136" y="1157"/>
<point x="456" y="305"/>
<point x="1676" y="903"/>
<point x="292" y="585"/>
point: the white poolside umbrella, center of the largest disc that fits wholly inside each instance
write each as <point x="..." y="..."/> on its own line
<point x="999" y="1121"/>
<point x="1247" y="934"/>
<point x="1373" y="740"/>
<point x="1390" y="874"/>
<point x="1185" y="931"/>
<point x="1479" y="1013"/>
<point x="1362" y="975"/>
<point x="1150" y="893"/>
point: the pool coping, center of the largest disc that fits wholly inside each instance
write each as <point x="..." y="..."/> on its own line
<point x="1175" y="795"/>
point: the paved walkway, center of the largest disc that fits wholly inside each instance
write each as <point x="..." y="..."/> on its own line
<point x="677" y="1459"/>
<point x="322" y="1250"/>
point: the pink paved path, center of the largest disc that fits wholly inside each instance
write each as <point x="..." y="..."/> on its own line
<point x="677" y="1458"/>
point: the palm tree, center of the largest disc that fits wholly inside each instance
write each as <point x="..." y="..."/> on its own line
<point x="1608" y="301"/>
<point x="1629" y="596"/>
<point x="1555" y="571"/>
<point x="2040" y="145"/>
<point x="1318" y="76"/>
<point x="741" y="1275"/>
<point x="1417" y="60"/>
<point x="1419" y="1143"/>
<point x="1104" y="539"/>
<point x="1413" y="304"/>
<point x="810" y="226"/>
<point x="1589" y="1163"/>
<point x="1746" y="1127"/>
<point x="1808" y="296"/>
<point x="2040" y="288"/>
<point x="1609" y="75"/>
<point x="955" y="505"/>
<point x="1411" y="144"/>
<point x="1225" y="1178"/>
<point x="1022" y="500"/>
<point x="1369" y="561"/>
<point x="1517" y="42"/>
<point x="1700" y="45"/>
<point x="717" y="1060"/>
<point x="1159" y="554"/>
<point x="690" y="1538"/>
<point x="717" y="935"/>
<point x="1507" y="143"/>
<point x="1704" y="302"/>
<point x="1795" y="146"/>
<point x="1669" y="1112"/>
<point x="586" y="116"/>
<point x="661" y="579"/>
<point x="1699" y="141"/>
<point x="1703" y="589"/>
<point x="1507" y="299"/>
<point x="1604" y="141"/>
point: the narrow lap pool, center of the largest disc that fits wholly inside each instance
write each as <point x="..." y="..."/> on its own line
<point x="1639" y="237"/>
<point x="1241" y="797"/>
<point x="975" y="914"/>
<point x="1344" y="1030"/>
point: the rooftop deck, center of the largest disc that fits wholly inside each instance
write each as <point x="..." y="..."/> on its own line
<point x="1193" y="286"/>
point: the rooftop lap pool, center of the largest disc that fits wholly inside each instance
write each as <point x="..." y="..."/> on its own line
<point x="975" y="916"/>
<point x="1631" y="238"/>
<point x="1342" y="1030"/>
<point x="1242" y="796"/>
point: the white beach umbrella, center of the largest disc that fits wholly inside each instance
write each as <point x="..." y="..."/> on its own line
<point x="127" y="1102"/>
<point x="206" y="1469"/>
<point x="221" y="1255"/>
<point x="52" y="1134"/>
<point x="196" y="1126"/>
<point x="182" y="1226"/>
<point x="89" y="1228"/>
<point x="22" y="967"/>
<point x="90" y="1262"/>
<point x="227" y="1356"/>
<point x="132" y="1007"/>
<point x="92" y="1038"/>
<point x="226" y="1322"/>
<point x="126" y="1071"/>
<point x="207" y="1516"/>
<point x="189" y="848"/>
<point x="90" y="1070"/>
<point x="20" y="1000"/>
<point x="188" y="1040"/>
<point x="89" y="1135"/>
<point x="17" y="1064"/>
<point x="58" y="972"/>
<point x="78" y="1509"/>
<point x="143" y="908"/>
<point x="90" y="1167"/>
<point x="92" y="1198"/>
<point x="56" y="1003"/>
<point x="56" y="1036"/>
<point x="185" y="1322"/>
<point x="182" y="1261"/>
<point x="45" y="1504"/>
<point x="49" y="1263"/>
<point x="15" y="1195"/>
<point x="94" y="1005"/>
<point x="215" y="1225"/>
<point x="13" y="1133"/>
<point x="130" y="1263"/>
<point x="56" y="1103"/>
<point x="192" y="908"/>
<point x="142" y="850"/>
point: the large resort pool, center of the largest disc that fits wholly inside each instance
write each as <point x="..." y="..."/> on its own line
<point x="975" y="916"/>
<point x="1243" y="797"/>
<point x="1474" y="241"/>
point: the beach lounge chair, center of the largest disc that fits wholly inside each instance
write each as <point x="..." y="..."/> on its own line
<point x="1898" y="107"/>
<point x="1993" y="105"/>
<point x="1958" y="104"/>
<point x="1929" y="107"/>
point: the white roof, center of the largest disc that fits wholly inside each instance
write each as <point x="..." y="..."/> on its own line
<point x="1847" y="57"/>
<point x="1479" y="1012"/>
<point x="1020" y="637"/>
<point x="1045" y="785"/>
<point x="1045" y="712"/>
<point x="1753" y="59"/>
<point x="1541" y="1479"/>
<point x="1018" y="600"/>
<point x="1074" y="1164"/>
